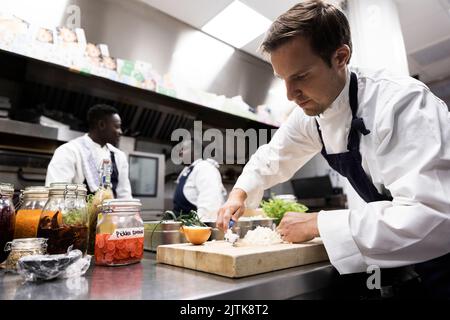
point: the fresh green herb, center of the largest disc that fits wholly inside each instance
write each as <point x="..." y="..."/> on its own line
<point x="189" y="219"/>
<point x="276" y="208"/>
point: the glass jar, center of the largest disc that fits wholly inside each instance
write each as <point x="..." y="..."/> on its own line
<point x="120" y="233"/>
<point x="28" y="213"/>
<point x="64" y="218"/>
<point x="7" y="217"/>
<point x="23" y="247"/>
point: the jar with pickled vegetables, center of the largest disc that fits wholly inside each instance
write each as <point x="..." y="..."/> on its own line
<point x="63" y="220"/>
<point x="28" y="213"/>
<point x="7" y="217"/>
<point x="120" y="233"/>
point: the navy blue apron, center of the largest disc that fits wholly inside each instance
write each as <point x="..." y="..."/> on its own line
<point x="180" y="203"/>
<point x="404" y="281"/>
<point x="114" y="174"/>
<point x="114" y="177"/>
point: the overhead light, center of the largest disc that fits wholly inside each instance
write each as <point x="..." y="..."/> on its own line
<point x="237" y="25"/>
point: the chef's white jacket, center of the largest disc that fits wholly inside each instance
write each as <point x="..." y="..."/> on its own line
<point x="407" y="151"/>
<point x="67" y="166"/>
<point x="204" y="188"/>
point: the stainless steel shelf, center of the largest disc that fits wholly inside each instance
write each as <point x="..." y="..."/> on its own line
<point x="28" y="129"/>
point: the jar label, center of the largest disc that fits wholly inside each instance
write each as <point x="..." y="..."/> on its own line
<point x="127" y="233"/>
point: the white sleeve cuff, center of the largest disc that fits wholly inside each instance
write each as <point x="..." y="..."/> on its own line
<point x="342" y="250"/>
<point x="251" y="186"/>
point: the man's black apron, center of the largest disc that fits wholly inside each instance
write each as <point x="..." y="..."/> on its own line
<point x="180" y="203"/>
<point x="434" y="275"/>
<point x="114" y="177"/>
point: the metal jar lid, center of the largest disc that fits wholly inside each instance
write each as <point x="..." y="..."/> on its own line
<point x="26" y="244"/>
<point x="67" y="189"/>
<point x="121" y="202"/>
<point x="6" y="189"/>
<point x="120" y="205"/>
<point x="35" y="192"/>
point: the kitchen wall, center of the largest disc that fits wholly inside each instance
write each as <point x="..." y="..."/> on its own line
<point x="136" y="31"/>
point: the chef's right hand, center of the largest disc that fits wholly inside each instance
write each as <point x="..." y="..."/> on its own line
<point x="233" y="208"/>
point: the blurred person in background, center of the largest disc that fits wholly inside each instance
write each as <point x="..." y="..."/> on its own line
<point x="79" y="160"/>
<point x="199" y="185"/>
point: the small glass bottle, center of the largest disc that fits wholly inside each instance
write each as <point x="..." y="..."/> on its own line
<point x="104" y="192"/>
<point x="33" y="200"/>
<point x="120" y="233"/>
<point x="23" y="247"/>
<point x="64" y="218"/>
<point x="7" y="217"/>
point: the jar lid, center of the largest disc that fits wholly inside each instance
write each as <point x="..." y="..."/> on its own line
<point x="121" y="203"/>
<point x="62" y="188"/>
<point x="35" y="191"/>
<point x="6" y="189"/>
<point x="26" y="243"/>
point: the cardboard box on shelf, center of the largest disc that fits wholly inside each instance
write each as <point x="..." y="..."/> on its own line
<point x="138" y="74"/>
<point x="14" y="34"/>
<point x="70" y="46"/>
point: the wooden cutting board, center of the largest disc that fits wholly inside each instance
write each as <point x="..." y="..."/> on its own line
<point x="222" y="258"/>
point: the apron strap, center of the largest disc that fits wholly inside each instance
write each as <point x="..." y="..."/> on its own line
<point x="114" y="174"/>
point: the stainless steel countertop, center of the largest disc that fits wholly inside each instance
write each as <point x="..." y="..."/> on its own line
<point x="151" y="281"/>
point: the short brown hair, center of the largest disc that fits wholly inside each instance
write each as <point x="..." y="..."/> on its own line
<point x="323" y="24"/>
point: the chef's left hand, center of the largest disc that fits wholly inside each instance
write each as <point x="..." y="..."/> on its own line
<point x="298" y="227"/>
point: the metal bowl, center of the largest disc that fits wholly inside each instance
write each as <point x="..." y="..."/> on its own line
<point x="157" y="233"/>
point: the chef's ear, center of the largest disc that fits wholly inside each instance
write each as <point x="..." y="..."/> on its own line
<point x="342" y="56"/>
<point x="101" y="124"/>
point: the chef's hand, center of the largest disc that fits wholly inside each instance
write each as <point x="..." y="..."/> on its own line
<point x="298" y="227"/>
<point x="234" y="207"/>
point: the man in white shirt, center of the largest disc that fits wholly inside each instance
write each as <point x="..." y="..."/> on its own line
<point x="79" y="160"/>
<point x="199" y="187"/>
<point x="379" y="131"/>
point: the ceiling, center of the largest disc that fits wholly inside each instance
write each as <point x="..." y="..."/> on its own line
<point x="425" y="25"/>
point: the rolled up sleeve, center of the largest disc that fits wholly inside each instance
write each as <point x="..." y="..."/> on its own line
<point x="294" y="144"/>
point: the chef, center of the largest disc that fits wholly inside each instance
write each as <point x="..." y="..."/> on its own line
<point x="199" y="186"/>
<point x="79" y="160"/>
<point x="388" y="135"/>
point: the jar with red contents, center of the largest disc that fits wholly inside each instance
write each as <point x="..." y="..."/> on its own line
<point x="119" y="238"/>
<point x="7" y="217"/>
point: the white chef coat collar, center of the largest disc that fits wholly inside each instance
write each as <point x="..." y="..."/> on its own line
<point x="196" y="162"/>
<point x="185" y="170"/>
<point x="342" y="101"/>
<point x="211" y="161"/>
<point x="95" y="143"/>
